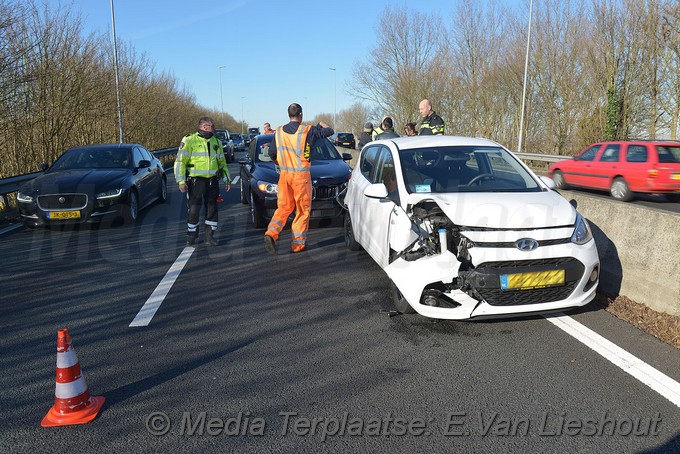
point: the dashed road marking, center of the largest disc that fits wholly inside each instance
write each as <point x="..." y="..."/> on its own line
<point x="154" y="302"/>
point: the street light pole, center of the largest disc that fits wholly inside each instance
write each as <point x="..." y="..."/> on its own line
<point x="335" y="97"/>
<point x="524" y="83"/>
<point x="221" y="98"/>
<point x="115" y="66"/>
<point x="242" y="119"/>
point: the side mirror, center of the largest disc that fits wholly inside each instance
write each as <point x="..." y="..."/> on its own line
<point x="244" y="161"/>
<point x="43" y="166"/>
<point x="346" y="157"/>
<point x="376" y="191"/>
<point x="548" y="182"/>
<point x="144" y="163"/>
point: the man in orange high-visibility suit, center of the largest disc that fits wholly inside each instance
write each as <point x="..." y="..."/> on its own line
<point x="290" y="150"/>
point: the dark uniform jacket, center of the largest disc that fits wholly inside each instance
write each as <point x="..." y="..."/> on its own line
<point x="431" y="125"/>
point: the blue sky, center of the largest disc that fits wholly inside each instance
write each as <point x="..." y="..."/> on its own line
<point x="258" y="42"/>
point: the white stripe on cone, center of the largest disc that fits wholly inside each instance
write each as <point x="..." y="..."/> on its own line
<point x="70" y="390"/>
<point x="67" y="359"/>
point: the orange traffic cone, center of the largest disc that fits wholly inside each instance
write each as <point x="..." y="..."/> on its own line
<point x="73" y="403"/>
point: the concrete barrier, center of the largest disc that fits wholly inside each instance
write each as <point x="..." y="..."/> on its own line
<point x="638" y="249"/>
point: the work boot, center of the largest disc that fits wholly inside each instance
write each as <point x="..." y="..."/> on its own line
<point x="191" y="238"/>
<point x="210" y="238"/>
<point x="270" y="244"/>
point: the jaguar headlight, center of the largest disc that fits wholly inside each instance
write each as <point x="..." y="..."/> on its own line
<point x="268" y="188"/>
<point x="582" y="233"/>
<point x="111" y="193"/>
<point x="25" y="198"/>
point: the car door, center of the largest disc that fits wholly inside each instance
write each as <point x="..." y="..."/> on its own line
<point x="360" y="180"/>
<point x="579" y="172"/>
<point x="376" y="216"/>
<point x="143" y="177"/>
<point x="154" y="187"/>
<point x="604" y="167"/>
<point x="636" y="166"/>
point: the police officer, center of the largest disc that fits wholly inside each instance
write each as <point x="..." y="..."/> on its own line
<point x="199" y="167"/>
<point x="431" y="124"/>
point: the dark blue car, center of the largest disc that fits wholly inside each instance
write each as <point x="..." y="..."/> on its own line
<point x="260" y="176"/>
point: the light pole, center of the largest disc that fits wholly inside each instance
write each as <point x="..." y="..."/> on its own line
<point x="242" y="119"/>
<point x="524" y="83"/>
<point x="221" y="98"/>
<point x="335" y="96"/>
<point x="115" y="66"/>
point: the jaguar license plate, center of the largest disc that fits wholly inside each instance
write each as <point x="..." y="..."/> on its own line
<point x="675" y="176"/>
<point x="533" y="280"/>
<point x="63" y="214"/>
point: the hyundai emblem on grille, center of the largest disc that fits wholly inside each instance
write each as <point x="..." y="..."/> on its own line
<point x="62" y="200"/>
<point x="526" y="244"/>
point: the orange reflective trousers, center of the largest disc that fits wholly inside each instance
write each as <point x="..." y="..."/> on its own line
<point x="295" y="193"/>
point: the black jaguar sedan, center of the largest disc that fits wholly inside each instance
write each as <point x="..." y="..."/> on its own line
<point x="88" y="183"/>
<point x="260" y="176"/>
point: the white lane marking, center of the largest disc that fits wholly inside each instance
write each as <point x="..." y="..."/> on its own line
<point x="10" y="228"/>
<point x="235" y="180"/>
<point x="659" y="382"/>
<point x="152" y="304"/>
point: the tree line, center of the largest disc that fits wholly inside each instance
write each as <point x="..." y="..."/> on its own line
<point x="598" y="70"/>
<point x="57" y="90"/>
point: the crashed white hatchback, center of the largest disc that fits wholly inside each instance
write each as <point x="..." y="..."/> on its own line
<point x="464" y="229"/>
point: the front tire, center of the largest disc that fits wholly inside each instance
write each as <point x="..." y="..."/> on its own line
<point x="163" y="194"/>
<point x="350" y="241"/>
<point x="558" y="178"/>
<point x="399" y="301"/>
<point x="244" y="192"/>
<point x="620" y="190"/>
<point x="131" y="208"/>
<point x="256" y="214"/>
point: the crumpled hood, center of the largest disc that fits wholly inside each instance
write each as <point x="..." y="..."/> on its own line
<point x="504" y="210"/>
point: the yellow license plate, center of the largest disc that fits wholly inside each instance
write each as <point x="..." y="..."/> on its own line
<point x="675" y="176"/>
<point x="64" y="214"/>
<point x="533" y="280"/>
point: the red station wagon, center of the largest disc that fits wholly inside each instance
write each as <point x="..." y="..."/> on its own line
<point x="623" y="168"/>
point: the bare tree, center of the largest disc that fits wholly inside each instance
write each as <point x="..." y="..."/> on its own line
<point x="401" y="68"/>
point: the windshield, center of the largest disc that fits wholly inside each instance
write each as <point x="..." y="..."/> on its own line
<point x="322" y="150"/>
<point x="222" y="135"/>
<point x="464" y="169"/>
<point x="84" y="158"/>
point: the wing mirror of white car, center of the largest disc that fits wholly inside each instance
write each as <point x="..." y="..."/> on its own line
<point x="548" y="182"/>
<point x="376" y="191"/>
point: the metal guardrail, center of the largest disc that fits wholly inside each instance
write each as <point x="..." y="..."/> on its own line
<point x="542" y="157"/>
<point x="12" y="184"/>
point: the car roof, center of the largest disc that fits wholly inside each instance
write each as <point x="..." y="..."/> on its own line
<point x="406" y="143"/>
<point x="106" y="146"/>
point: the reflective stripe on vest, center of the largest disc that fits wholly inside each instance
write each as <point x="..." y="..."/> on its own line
<point x="291" y="148"/>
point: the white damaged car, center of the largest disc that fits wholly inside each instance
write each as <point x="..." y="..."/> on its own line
<point x="464" y="229"/>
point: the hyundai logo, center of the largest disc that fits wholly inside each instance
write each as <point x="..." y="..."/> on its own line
<point x="62" y="200"/>
<point x="526" y="244"/>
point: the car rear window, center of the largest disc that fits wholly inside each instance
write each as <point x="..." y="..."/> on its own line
<point x="345" y="137"/>
<point x="668" y="154"/>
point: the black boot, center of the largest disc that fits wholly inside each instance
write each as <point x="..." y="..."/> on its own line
<point x="191" y="238"/>
<point x="209" y="237"/>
